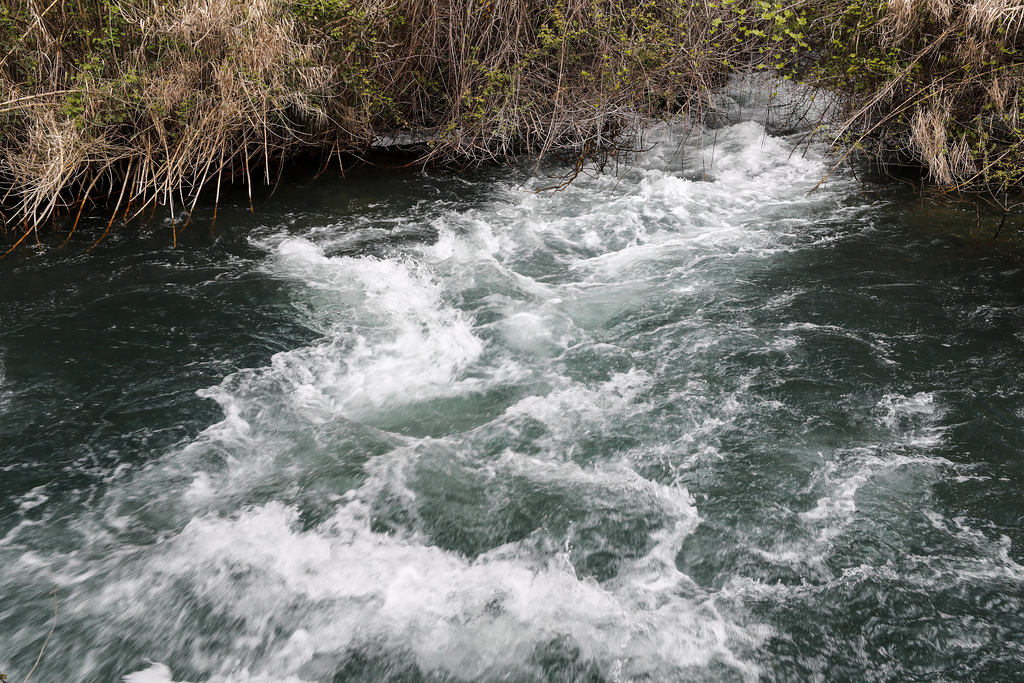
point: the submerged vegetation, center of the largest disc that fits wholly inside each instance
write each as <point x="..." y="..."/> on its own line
<point x="140" y="102"/>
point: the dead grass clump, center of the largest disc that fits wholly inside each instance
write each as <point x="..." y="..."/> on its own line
<point x="929" y="134"/>
<point x="990" y="17"/>
<point x="149" y="101"/>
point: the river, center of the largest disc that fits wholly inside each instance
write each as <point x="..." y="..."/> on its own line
<point x="684" y="421"/>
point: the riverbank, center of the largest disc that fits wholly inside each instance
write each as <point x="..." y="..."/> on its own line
<point x="141" y="103"/>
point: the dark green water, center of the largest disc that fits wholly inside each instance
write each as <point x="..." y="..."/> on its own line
<point x="689" y="423"/>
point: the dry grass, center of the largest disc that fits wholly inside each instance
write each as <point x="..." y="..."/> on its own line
<point x="201" y="89"/>
<point x="145" y="101"/>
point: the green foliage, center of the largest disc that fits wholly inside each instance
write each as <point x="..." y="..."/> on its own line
<point x="766" y="35"/>
<point x="11" y="20"/>
<point x="846" y="59"/>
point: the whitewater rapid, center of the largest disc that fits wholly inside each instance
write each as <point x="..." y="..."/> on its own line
<point x="512" y="449"/>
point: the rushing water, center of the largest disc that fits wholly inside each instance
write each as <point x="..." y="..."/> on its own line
<point x="686" y="422"/>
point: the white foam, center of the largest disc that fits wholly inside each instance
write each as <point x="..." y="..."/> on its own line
<point x="739" y="193"/>
<point x="390" y="339"/>
<point x="298" y="597"/>
<point x="898" y="411"/>
<point x="342" y="586"/>
<point x="915" y="430"/>
<point x="574" y="410"/>
<point x="32" y="499"/>
<point x="161" y="673"/>
<point x="156" y="673"/>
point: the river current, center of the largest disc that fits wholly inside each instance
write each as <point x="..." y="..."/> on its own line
<point x="684" y="421"/>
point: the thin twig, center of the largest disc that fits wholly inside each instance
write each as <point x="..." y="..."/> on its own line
<point x="43" y="648"/>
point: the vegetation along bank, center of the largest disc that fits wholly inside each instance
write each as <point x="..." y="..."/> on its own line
<point x="143" y="102"/>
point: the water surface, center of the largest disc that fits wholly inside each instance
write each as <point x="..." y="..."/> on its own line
<point x="688" y="421"/>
